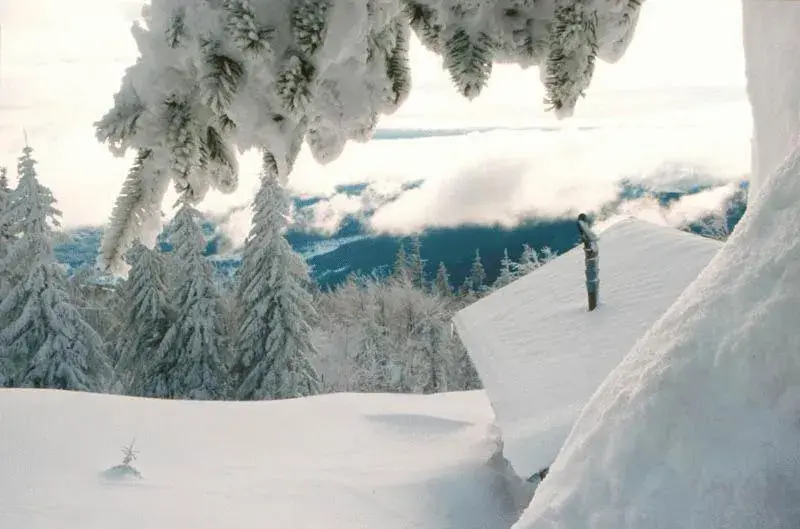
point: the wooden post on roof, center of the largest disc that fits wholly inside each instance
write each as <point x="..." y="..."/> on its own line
<point x="592" y="252"/>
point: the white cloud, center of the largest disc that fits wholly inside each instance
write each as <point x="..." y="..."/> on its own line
<point x="680" y="213"/>
<point x="486" y="179"/>
<point x="328" y="214"/>
<point x="61" y="64"/>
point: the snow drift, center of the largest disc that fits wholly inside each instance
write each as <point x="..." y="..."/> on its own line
<point x="338" y="461"/>
<point x="541" y="355"/>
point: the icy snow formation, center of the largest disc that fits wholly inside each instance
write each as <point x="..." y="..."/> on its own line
<point x="698" y="426"/>
<point x="776" y="105"/>
<point x="338" y="461"/>
<point x="541" y="355"/>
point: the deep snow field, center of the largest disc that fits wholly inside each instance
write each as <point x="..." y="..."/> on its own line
<point x="336" y="461"/>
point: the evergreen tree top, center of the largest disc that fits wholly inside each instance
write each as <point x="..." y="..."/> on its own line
<point x="30" y="207"/>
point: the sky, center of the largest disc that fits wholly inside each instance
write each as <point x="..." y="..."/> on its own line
<point x="676" y="100"/>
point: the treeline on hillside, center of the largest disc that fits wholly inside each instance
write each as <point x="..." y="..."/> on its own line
<point x="169" y="330"/>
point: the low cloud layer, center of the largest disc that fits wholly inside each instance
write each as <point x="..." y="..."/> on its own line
<point x="562" y="173"/>
<point x="505" y="177"/>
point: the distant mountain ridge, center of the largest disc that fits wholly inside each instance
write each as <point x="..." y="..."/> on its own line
<point x="354" y="247"/>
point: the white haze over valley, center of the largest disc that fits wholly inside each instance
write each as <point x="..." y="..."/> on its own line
<point x="670" y="108"/>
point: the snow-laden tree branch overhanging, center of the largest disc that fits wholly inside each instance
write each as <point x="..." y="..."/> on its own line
<point x="218" y="76"/>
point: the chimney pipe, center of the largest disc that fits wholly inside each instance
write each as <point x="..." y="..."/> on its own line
<point x="591" y="251"/>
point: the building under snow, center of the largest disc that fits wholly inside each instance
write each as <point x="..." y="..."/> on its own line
<point x="541" y="355"/>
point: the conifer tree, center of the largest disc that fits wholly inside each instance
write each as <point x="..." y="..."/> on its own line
<point x="476" y="281"/>
<point x="191" y="356"/>
<point x="5" y="237"/>
<point x="273" y="348"/>
<point x="5" y="190"/>
<point x="44" y="342"/>
<point x="147" y="316"/>
<point x="441" y="285"/>
<point x="402" y="270"/>
<point x="508" y="271"/>
<point x="416" y="265"/>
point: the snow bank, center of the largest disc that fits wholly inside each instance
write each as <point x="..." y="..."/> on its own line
<point x="770" y="57"/>
<point x="541" y="355"/>
<point x="698" y="425"/>
<point x="338" y="461"/>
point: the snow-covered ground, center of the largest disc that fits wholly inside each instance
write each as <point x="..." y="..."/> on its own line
<point x="540" y="353"/>
<point x="340" y="461"/>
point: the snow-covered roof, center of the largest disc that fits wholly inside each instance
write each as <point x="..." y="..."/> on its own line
<point x="541" y="355"/>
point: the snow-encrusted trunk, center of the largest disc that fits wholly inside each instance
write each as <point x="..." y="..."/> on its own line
<point x="698" y="426"/>
<point x="773" y="79"/>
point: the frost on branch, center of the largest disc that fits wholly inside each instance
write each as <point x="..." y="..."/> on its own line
<point x="469" y="61"/>
<point x="571" y="57"/>
<point x="218" y="76"/>
<point x="137" y="210"/>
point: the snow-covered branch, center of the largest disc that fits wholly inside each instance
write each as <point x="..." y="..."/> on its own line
<point x="269" y="74"/>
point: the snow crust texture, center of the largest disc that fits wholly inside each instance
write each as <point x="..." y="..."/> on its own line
<point x="541" y="355"/>
<point x="698" y="426"/>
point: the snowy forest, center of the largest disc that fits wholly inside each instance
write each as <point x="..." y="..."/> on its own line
<point x="170" y="329"/>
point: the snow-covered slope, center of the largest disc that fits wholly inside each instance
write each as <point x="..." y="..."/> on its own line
<point x="541" y="355"/>
<point x="339" y="461"/>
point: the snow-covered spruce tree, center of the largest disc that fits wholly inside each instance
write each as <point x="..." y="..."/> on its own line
<point x="44" y="342"/>
<point x="5" y="237"/>
<point x="416" y="265"/>
<point x="402" y="266"/>
<point x="5" y="191"/>
<point x="146" y="319"/>
<point x="697" y="426"/>
<point x="441" y="285"/>
<point x="97" y="299"/>
<point x="270" y="74"/>
<point x="508" y="271"/>
<point x="476" y="280"/>
<point x="274" y="346"/>
<point x="190" y="359"/>
<point x="531" y="259"/>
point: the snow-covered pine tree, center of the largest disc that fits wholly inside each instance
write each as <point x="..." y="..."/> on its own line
<point x="530" y="259"/>
<point x="98" y="301"/>
<point x="416" y="265"/>
<point x="275" y="73"/>
<point x="190" y="359"/>
<point x="5" y="237"/>
<point x="476" y="280"/>
<point x="146" y="319"/>
<point x="5" y="190"/>
<point x="274" y="347"/>
<point x="441" y="285"/>
<point x="44" y="342"/>
<point x="402" y="269"/>
<point x="508" y="271"/>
